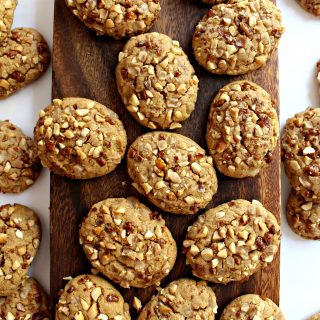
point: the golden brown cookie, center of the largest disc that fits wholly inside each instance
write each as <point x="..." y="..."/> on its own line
<point x="7" y="8"/>
<point x="315" y="317"/>
<point x="312" y="6"/>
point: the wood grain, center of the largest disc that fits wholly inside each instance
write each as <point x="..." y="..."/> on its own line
<point x="84" y="65"/>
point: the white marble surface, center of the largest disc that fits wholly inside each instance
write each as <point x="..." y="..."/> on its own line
<point x="299" y="51"/>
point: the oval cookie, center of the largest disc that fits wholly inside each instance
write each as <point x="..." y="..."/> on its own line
<point x="232" y="241"/>
<point x="91" y="297"/>
<point x="172" y="171"/>
<point x="242" y="130"/>
<point x="19" y="243"/>
<point x="80" y="138"/>
<point x="24" y="57"/>
<point x="7" y="8"/>
<point x="239" y="37"/>
<point x="182" y="299"/>
<point x="156" y="81"/>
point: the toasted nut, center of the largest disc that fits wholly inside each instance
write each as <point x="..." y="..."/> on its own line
<point x="207" y="254"/>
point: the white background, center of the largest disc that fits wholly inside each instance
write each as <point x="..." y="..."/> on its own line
<point x="299" y="51"/>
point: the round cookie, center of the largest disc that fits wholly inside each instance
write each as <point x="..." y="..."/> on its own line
<point x="19" y="162"/>
<point x="128" y="243"/>
<point x="116" y="18"/>
<point x="91" y="297"/>
<point x="300" y="153"/>
<point x="238" y="37"/>
<point x="6" y="17"/>
<point x="242" y="130"/>
<point x="156" y="81"/>
<point x="172" y="171"/>
<point x="252" y="306"/>
<point x="19" y="242"/>
<point x="80" y="138"/>
<point x="312" y="6"/>
<point x="232" y="241"/>
<point x="182" y="299"/>
<point x="303" y="216"/>
<point x="315" y="317"/>
<point x="28" y="302"/>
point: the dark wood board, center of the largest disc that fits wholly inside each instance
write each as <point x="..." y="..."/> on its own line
<point x="84" y="65"/>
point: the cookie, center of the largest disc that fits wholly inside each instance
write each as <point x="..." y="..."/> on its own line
<point x="303" y="216"/>
<point x="156" y="81"/>
<point x="91" y="297"/>
<point x="80" y="138"/>
<point x="172" y="171"/>
<point x="239" y="37"/>
<point x="252" y="306"/>
<point x="19" y="163"/>
<point x="116" y="18"/>
<point x="24" y="57"/>
<point x="19" y="243"/>
<point x="300" y="153"/>
<point x="315" y="317"/>
<point x="7" y="8"/>
<point x="242" y="130"/>
<point x="28" y="302"/>
<point x="312" y="6"/>
<point x="128" y="243"/>
<point x="232" y="241"/>
<point x="182" y="299"/>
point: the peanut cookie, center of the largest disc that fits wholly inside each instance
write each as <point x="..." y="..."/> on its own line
<point x="312" y="6"/>
<point x="232" y="241"/>
<point x="19" y="243"/>
<point x="7" y="8"/>
<point x="252" y="306"/>
<point x="182" y="299"/>
<point x="172" y="171"/>
<point x="303" y="216"/>
<point x="24" y="57"/>
<point x="116" y="18"/>
<point x="80" y="138"/>
<point x="128" y="243"/>
<point x="238" y="37"/>
<point x="315" y="317"/>
<point x="91" y="297"/>
<point x="19" y="163"/>
<point x="242" y="130"/>
<point x="300" y="153"/>
<point x="28" y="302"/>
<point x="156" y="81"/>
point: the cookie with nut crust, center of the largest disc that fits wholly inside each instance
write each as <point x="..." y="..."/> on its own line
<point x="7" y="8"/>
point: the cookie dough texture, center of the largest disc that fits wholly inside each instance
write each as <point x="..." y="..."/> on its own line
<point x="252" y="306"/>
<point x="80" y="138"/>
<point x="172" y="171"/>
<point x="182" y="299"/>
<point x="116" y="18"/>
<point x="300" y="153"/>
<point x="24" y="57"/>
<point x="156" y="81"/>
<point x="91" y="297"/>
<point x="303" y="216"/>
<point x="128" y="243"/>
<point x="242" y="130"/>
<point x="19" y="162"/>
<point x="239" y="37"/>
<point x="19" y="243"/>
<point x="313" y="6"/>
<point x="28" y="302"/>
<point x="7" y="8"/>
<point x="232" y="241"/>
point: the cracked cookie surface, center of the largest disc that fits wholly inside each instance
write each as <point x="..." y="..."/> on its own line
<point x="91" y="297"/>
<point x="128" y="242"/>
<point x="232" y="241"/>
<point x="156" y="81"/>
<point x="182" y="299"/>
<point x="80" y="138"/>
<point x="19" y="163"/>
<point x="116" y="18"/>
<point x="172" y="171"/>
<point x="24" y="57"/>
<point x="252" y="306"/>
<point x="238" y="37"/>
<point x="312" y="6"/>
<point x="242" y="130"/>
<point x="7" y="8"/>
<point x="19" y="242"/>
<point x="28" y="302"/>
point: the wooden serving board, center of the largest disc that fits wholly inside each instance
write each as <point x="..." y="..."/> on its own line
<point x="84" y="65"/>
